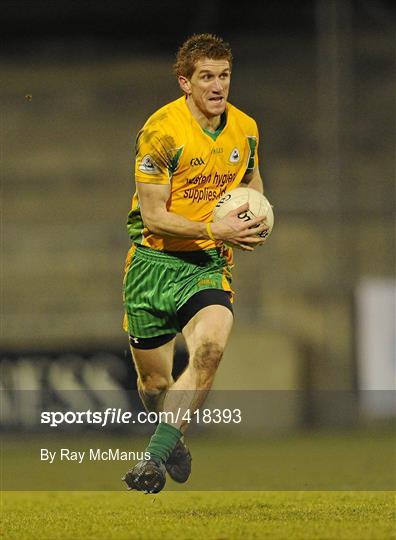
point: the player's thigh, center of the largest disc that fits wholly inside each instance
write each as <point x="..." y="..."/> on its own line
<point x="211" y="327"/>
<point x="156" y="362"/>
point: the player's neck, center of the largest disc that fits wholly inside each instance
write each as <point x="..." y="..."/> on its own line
<point x="210" y="124"/>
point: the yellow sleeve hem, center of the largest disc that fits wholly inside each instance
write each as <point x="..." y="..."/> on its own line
<point x="152" y="180"/>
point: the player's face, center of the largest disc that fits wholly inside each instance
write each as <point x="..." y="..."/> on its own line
<point x="209" y="86"/>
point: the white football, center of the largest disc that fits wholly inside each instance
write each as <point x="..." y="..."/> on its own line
<point x="258" y="206"/>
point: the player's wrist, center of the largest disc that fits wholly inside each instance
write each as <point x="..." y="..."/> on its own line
<point x="209" y="231"/>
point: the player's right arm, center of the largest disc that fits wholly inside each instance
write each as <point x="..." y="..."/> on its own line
<point x="153" y="200"/>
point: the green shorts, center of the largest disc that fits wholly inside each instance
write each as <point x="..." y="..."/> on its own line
<point x="157" y="284"/>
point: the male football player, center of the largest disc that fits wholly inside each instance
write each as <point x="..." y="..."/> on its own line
<point x="178" y="270"/>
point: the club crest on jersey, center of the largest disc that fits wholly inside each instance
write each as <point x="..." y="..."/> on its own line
<point x="148" y="165"/>
<point x="235" y="156"/>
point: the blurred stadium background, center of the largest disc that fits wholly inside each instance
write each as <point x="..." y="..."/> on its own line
<point x="315" y="308"/>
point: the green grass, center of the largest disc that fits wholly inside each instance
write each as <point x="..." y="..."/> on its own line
<point x="198" y="515"/>
<point x="297" y="481"/>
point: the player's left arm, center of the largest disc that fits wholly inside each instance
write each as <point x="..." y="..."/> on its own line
<point x="253" y="180"/>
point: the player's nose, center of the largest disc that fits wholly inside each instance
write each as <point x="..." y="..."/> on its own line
<point x="217" y="86"/>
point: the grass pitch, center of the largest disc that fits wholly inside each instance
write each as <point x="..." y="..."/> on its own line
<point x="284" y="469"/>
<point x="199" y="515"/>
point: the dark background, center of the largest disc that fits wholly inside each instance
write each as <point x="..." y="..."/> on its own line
<point x="162" y="26"/>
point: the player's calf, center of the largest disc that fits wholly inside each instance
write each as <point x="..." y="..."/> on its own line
<point x="205" y="361"/>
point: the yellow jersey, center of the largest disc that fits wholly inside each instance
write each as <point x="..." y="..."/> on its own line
<point x="201" y="166"/>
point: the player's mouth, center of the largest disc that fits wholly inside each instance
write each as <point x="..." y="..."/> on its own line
<point x="216" y="99"/>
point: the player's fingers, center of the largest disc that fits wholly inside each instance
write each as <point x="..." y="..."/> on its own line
<point x="252" y="240"/>
<point x="253" y="232"/>
<point x="252" y="223"/>
<point x="256" y="221"/>
<point x="241" y="245"/>
<point x="258" y="229"/>
<point x="243" y="208"/>
<point x="244" y="247"/>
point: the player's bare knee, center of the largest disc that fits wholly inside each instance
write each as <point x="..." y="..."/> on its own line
<point x="207" y="358"/>
<point x="154" y="384"/>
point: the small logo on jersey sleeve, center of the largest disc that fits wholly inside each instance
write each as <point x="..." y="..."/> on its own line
<point x="148" y="165"/>
<point x="235" y="156"/>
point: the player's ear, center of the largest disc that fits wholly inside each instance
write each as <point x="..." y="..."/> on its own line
<point x="184" y="84"/>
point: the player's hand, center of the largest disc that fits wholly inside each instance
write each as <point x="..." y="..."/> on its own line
<point x="240" y="233"/>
